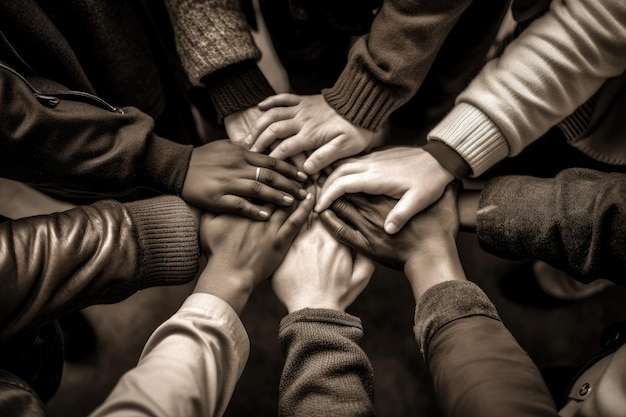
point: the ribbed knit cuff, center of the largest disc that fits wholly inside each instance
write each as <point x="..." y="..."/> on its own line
<point x="237" y="88"/>
<point x="448" y="158"/>
<point x="317" y="315"/>
<point x="360" y="99"/>
<point x="473" y="136"/>
<point x="164" y="166"/>
<point x="446" y="302"/>
<point x="168" y="240"/>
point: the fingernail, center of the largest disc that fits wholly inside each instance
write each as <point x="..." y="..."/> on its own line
<point x="253" y="149"/>
<point x="303" y="193"/>
<point x="391" y="228"/>
<point x="308" y="166"/>
<point x="248" y="140"/>
<point x="309" y="196"/>
<point x="288" y="199"/>
<point x="302" y="175"/>
<point x="264" y="214"/>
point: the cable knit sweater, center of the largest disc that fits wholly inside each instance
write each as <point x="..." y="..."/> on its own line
<point x="556" y="65"/>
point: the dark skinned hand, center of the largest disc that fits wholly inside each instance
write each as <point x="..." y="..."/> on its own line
<point x="221" y="178"/>
<point x="357" y="220"/>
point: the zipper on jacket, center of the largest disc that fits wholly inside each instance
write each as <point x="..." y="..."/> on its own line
<point x="52" y="99"/>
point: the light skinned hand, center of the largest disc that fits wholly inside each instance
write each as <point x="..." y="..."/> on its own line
<point x="221" y="179"/>
<point x="239" y="125"/>
<point x="242" y="252"/>
<point x="319" y="272"/>
<point x="410" y="175"/>
<point x="357" y="221"/>
<point x="307" y="124"/>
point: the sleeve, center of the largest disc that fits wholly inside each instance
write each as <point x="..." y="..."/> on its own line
<point x="326" y="373"/>
<point x="78" y="142"/>
<point x="88" y="255"/>
<point x="189" y="366"/>
<point x="551" y="69"/>
<point x="386" y="67"/>
<point x="574" y="221"/>
<point x="477" y="366"/>
<point x="217" y="50"/>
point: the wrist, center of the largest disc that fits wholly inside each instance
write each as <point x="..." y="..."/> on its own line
<point x="232" y="286"/>
<point x="315" y="303"/>
<point x="433" y="266"/>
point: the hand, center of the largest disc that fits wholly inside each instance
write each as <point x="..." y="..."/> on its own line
<point x="244" y="252"/>
<point x="239" y="125"/>
<point x="357" y="221"/>
<point x="307" y="123"/>
<point x="221" y="179"/>
<point x="410" y="175"/>
<point x="319" y="272"/>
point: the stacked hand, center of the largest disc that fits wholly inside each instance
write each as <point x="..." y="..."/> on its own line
<point x="244" y="252"/>
<point x="306" y="124"/>
<point x="320" y="272"/>
<point x="411" y="176"/>
<point x="225" y="178"/>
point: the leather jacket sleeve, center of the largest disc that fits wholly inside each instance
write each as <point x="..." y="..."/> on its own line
<point x="574" y="221"/>
<point x="94" y="254"/>
<point x="75" y="141"/>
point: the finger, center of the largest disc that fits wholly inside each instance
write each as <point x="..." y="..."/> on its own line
<point x="274" y="165"/>
<point x="408" y="206"/>
<point x="354" y="183"/>
<point x="232" y="204"/>
<point x="343" y="232"/>
<point x="280" y="100"/>
<point x="278" y="130"/>
<point x="290" y="146"/>
<point x="266" y="119"/>
<point x="291" y="226"/>
<point x="325" y="155"/>
<point x="259" y="191"/>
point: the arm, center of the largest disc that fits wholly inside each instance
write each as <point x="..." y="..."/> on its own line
<point x="325" y="372"/>
<point x="217" y="50"/>
<point x="477" y="366"/>
<point x="192" y="362"/>
<point x="94" y="254"/>
<point x="385" y="69"/>
<point x="551" y="69"/>
<point x="574" y="221"/>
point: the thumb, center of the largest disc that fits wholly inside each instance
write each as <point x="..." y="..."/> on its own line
<point x="408" y="206"/>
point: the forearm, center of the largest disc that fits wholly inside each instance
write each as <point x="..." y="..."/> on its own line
<point x="326" y="372"/>
<point x="554" y="66"/>
<point x="189" y="366"/>
<point x="91" y="255"/>
<point x="219" y="280"/>
<point x="477" y="366"/>
<point x="81" y="145"/>
<point x="387" y="66"/>
<point x="427" y="268"/>
<point x="210" y="35"/>
<point x="573" y="221"/>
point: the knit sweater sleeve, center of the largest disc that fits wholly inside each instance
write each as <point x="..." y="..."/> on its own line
<point x="210" y="35"/>
<point x="574" y="221"/>
<point x="326" y="373"/>
<point x="478" y="368"/>
<point x="386" y="67"/>
<point x="551" y="69"/>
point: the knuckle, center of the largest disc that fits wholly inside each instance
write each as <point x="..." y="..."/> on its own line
<point x="256" y="187"/>
<point x="271" y="162"/>
<point x="269" y="177"/>
<point x="275" y="127"/>
<point x="240" y="205"/>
